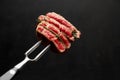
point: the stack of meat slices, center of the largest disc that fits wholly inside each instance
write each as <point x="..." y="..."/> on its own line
<point x="57" y="30"/>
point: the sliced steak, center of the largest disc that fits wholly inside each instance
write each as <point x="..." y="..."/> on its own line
<point x="58" y="30"/>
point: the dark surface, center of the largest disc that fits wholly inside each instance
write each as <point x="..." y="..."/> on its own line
<point x="93" y="57"/>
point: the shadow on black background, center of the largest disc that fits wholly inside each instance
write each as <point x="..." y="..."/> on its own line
<point x="93" y="57"/>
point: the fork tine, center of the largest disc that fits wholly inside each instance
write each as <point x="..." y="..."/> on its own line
<point x="41" y="53"/>
<point x="33" y="48"/>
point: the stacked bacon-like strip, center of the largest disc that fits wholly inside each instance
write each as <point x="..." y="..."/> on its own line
<point x="57" y="30"/>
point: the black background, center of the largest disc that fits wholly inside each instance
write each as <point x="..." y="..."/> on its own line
<point x="93" y="57"/>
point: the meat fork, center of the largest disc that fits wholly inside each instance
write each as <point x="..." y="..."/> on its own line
<point x="9" y="74"/>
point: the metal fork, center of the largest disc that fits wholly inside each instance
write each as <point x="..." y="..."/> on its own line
<point x="9" y="74"/>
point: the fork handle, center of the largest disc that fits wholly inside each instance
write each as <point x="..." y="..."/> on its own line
<point x="9" y="74"/>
